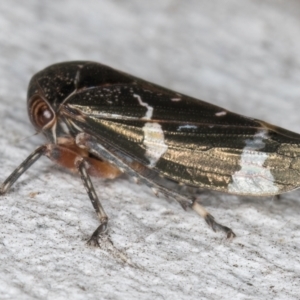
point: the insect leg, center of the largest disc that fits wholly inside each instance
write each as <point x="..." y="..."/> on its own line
<point x="67" y="158"/>
<point x="82" y="168"/>
<point x="73" y="159"/>
<point x="147" y="176"/>
<point x="31" y="159"/>
<point x="210" y="220"/>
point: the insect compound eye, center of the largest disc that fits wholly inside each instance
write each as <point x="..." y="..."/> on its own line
<point x="41" y="114"/>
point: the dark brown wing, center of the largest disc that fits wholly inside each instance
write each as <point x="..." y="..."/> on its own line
<point x="188" y="140"/>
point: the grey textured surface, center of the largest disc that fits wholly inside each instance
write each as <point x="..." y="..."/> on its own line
<point x="242" y="55"/>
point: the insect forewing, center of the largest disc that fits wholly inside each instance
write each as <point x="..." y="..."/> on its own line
<point x="188" y="140"/>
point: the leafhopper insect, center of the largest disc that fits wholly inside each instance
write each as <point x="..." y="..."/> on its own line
<point x="102" y="122"/>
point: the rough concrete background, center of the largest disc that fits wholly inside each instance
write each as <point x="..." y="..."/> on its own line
<point x="242" y="55"/>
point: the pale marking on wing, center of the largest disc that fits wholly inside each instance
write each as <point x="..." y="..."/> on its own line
<point x="221" y="113"/>
<point x="76" y="80"/>
<point x="176" y="99"/>
<point x="186" y="127"/>
<point x="253" y="178"/>
<point x="149" y="111"/>
<point x="154" y="142"/>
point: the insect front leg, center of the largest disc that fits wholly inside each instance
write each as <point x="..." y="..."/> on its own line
<point x="25" y="165"/>
<point x="82" y="168"/>
<point x="76" y="159"/>
<point x="73" y="159"/>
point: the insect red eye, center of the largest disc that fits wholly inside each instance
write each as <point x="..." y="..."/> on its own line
<point x="40" y="113"/>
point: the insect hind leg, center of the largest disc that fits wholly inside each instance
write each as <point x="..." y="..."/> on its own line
<point x="210" y="220"/>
